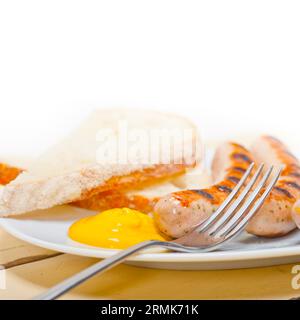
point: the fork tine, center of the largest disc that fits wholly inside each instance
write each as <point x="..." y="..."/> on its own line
<point x="205" y="224"/>
<point x="242" y="224"/>
<point x="229" y="226"/>
<point x="231" y="210"/>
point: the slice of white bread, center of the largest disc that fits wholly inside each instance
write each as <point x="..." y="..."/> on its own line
<point x="69" y="171"/>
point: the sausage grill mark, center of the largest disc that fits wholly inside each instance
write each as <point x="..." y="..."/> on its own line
<point x="283" y="191"/>
<point x="242" y="156"/>
<point x="233" y="179"/>
<point x="239" y="169"/>
<point x="224" y="189"/>
<point x="205" y="194"/>
<point x="293" y="185"/>
<point x="295" y="174"/>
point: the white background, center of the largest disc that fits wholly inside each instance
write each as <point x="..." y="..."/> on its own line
<point x="232" y="66"/>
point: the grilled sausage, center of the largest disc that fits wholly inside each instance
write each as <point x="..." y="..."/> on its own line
<point x="177" y="213"/>
<point x="275" y="217"/>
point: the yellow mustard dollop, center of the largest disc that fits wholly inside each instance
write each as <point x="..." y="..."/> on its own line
<point x="115" y="229"/>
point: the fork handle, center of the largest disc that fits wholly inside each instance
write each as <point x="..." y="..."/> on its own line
<point x="99" y="267"/>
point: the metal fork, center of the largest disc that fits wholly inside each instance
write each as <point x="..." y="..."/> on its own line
<point x="227" y="222"/>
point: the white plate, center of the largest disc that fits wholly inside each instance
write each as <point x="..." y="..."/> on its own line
<point x="48" y="229"/>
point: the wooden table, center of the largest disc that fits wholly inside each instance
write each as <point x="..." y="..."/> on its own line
<point x="30" y="270"/>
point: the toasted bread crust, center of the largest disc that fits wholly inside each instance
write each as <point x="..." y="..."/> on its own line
<point x="113" y="194"/>
<point x="138" y="179"/>
<point x="117" y="199"/>
<point x="8" y="173"/>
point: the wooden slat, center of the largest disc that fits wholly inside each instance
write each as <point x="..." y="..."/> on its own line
<point x="14" y="252"/>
